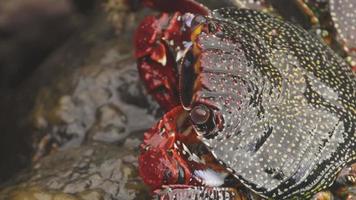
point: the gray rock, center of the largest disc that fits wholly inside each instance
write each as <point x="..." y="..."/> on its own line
<point x="93" y="171"/>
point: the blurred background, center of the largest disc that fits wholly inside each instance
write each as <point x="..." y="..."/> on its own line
<point x="30" y="31"/>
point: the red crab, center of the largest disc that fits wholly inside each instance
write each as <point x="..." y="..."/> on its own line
<point x="193" y="150"/>
<point x="165" y="158"/>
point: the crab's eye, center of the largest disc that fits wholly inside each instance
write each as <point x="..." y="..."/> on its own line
<point x="203" y="119"/>
<point x="200" y="114"/>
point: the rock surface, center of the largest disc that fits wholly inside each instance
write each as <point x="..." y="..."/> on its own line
<point x="79" y="117"/>
<point x="90" y="172"/>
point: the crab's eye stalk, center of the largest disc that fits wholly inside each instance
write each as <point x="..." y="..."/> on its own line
<point x="203" y="119"/>
<point x="200" y="114"/>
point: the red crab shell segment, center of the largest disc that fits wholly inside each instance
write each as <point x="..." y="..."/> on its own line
<point x="160" y="163"/>
<point x="158" y="41"/>
<point x="160" y="82"/>
<point x="154" y="31"/>
<point x="154" y="39"/>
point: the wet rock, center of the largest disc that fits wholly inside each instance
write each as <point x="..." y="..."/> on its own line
<point x="111" y="124"/>
<point x="107" y="104"/>
<point x="75" y="97"/>
<point x="100" y="98"/>
<point x="93" y="171"/>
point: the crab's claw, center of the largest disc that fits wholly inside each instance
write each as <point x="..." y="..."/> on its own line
<point x="159" y="42"/>
<point x="160" y="163"/>
<point x="156" y="62"/>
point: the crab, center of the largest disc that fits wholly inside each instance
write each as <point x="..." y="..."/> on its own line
<point x="332" y="20"/>
<point x="253" y="104"/>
